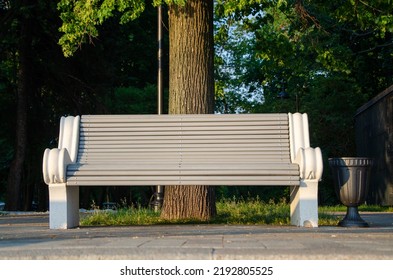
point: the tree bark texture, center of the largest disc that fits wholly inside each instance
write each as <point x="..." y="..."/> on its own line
<point x="191" y="55"/>
<point x="191" y="91"/>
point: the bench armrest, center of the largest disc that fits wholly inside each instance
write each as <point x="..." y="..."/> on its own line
<point x="54" y="165"/>
<point x="55" y="161"/>
<point x="69" y="135"/>
<point x="309" y="159"/>
<point x="310" y="163"/>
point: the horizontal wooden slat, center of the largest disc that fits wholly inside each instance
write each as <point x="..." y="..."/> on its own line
<point x="237" y="179"/>
<point x="201" y="173"/>
<point x="170" y="153"/>
<point x="216" y="130"/>
<point x="189" y="134"/>
<point x="152" y="182"/>
<point x="184" y="150"/>
<point x="175" y="160"/>
<point x="282" y="138"/>
<point x="216" y="166"/>
<point x="184" y="147"/>
<point x="184" y="180"/>
<point x="176" y="139"/>
<point x="180" y="124"/>
<point x="210" y="156"/>
<point x="178" y="118"/>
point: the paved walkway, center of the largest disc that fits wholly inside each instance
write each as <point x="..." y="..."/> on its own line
<point x="28" y="237"/>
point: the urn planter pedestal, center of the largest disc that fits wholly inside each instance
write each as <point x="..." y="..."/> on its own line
<point x="351" y="177"/>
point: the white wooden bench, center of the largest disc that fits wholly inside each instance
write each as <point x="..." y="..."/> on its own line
<point x="142" y="150"/>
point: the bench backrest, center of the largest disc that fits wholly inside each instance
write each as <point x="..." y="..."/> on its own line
<point x="188" y="138"/>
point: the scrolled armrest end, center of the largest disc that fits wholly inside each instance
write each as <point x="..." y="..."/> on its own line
<point x="310" y="163"/>
<point x="54" y="165"/>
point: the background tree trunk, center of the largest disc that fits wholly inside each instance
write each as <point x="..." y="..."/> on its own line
<point x="191" y="91"/>
<point x="15" y="192"/>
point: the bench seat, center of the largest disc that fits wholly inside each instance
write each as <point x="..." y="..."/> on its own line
<point x="217" y="150"/>
<point x="172" y="173"/>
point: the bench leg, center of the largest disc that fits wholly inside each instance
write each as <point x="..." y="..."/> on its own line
<point x="304" y="204"/>
<point x="63" y="206"/>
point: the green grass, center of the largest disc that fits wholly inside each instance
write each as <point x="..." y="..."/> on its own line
<point x="230" y="212"/>
<point x="251" y="212"/>
<point x="120" y="217"/>
<point x="364" y="208"/>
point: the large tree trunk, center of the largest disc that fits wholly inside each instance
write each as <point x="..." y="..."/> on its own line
<point x="15" y="193"/>
<point x="191" y="91"/>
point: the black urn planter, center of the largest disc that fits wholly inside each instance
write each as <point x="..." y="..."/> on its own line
<point x="351" y="177"/>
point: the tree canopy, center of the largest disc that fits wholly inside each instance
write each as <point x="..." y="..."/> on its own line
<point x="323" y="58"/>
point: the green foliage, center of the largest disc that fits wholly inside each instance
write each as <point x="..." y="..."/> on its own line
<point x="249" y="193"/>
<point x="132" y="99"/>
<point x="240" y="8"/>
<point x="80" y="19"/>
<point x="285" y="45"/>
<point x="327" y="57"/>
<point x="371" y="15"/>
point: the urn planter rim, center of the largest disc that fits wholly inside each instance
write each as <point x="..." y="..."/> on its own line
<point x="344" y="158"/>
<point x="351" y="161"/>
